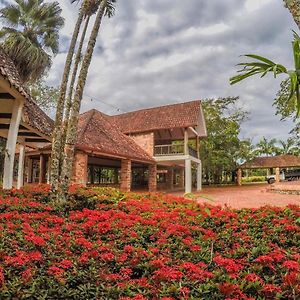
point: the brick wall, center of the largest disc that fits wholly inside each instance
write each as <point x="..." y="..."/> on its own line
<point x="125" y="184"/>
<point x="145" y="141"/>
<point x="80" y="168"/>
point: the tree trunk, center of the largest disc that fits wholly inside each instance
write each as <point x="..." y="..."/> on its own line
<point x="56" y="138"/>
<point x="72" y="83"/>
<point x="75" y="70"/>
<point x="72" y="126"/>
<point x="294" y="8"/>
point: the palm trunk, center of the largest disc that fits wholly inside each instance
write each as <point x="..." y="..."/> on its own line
<point x="71" y="87"/>
<point x="76" y="66"/>
<point x="72" y="126"/>
<point x="56" y="139"/>
<point x="294" y="8"/>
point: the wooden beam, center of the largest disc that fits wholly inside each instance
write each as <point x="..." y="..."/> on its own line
<point x="5" y="115"/>
<point x="27" y="133"/>
<point x="29" y="140"/>
<point x="6" y="126"/>
<point x="6" y="96"/>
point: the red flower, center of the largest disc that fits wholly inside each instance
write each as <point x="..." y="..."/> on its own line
<point x="291" y="265"/>
<point x="66" y="264"/>
<point x="168" y="274"/>
<point x="252" y="277"/>
<point x="228" y="288"/>
<point x="271" y="289"/>
<point x="55" y="271"/>
<point x="107" y="256"/>
<point x="292" y="279"/>
<point x="26" y="275"/>
<point x="264" y="259"/>
<point x="1" y="277"/>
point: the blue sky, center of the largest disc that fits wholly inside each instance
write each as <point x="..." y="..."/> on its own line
<point x="155" y="52"/>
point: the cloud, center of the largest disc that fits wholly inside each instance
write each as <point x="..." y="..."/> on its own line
<point x="155" y="52"/>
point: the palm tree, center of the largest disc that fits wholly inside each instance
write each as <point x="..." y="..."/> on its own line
<point x="262" y="66"/>
<point x="31" y="36"/>
<point x="287" y="147"/>
<point x="106" y="8"/>
<point x="294" y="8"/>
<point x="87" y="8"/>
<point x="265" y="147"/>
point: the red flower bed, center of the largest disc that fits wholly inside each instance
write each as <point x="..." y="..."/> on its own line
<point x="146" y="247"/>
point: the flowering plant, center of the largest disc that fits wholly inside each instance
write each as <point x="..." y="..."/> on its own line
<point x="146" y="246"/>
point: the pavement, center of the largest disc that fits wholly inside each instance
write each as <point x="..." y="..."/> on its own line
<point x="246" y="196"/>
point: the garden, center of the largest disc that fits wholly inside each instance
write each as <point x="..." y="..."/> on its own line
<point x="105" y="244"/>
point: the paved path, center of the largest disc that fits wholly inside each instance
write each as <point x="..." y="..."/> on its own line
<point x="248" y="196"/>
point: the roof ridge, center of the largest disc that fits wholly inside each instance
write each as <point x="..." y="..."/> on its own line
<point x="157" y="107"/>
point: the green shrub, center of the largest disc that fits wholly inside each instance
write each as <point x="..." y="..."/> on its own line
<point x="254" y="179"/>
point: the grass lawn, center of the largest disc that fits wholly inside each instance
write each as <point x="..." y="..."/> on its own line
<point x="109" y="245"/>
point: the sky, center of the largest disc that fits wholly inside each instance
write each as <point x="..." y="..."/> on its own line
<point x="157" y="52"/>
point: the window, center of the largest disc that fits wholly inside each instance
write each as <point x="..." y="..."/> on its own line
<point x="102" y="175"/>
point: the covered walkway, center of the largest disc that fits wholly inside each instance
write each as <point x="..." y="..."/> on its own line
<point x="278" y="163"/>
<point x="22" y="123"/>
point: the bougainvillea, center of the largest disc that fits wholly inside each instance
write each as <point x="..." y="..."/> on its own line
<point x="145" y="246"/>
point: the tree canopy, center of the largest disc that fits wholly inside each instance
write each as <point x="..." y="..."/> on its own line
<point x="223" y="149"/>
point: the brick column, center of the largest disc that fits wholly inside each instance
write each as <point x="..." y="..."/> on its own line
<point x="277" y="175"/>
<point x="239" y="177"/>
<point x="152" y="179"/>
<point x="80" y="164"/>
<point x="181" y="178"/>
<point x="125" y="184"/>
<point x="170" y="178"/>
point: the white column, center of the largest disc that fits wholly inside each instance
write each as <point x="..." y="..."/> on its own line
<point x="199" y="177"/>
<point x="11" y="144"/>
<point x="186" y="141"/>
<point x="188" y="176"/>
<point x="20" y="182"/>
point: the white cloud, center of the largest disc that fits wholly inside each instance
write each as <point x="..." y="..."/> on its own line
<point x="253" y="5"/>
<point x="156" y="52"/>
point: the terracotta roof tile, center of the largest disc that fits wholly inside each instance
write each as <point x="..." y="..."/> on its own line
<point x="181" y="115"/>
<point x="97" y="133"/>
<point x="32" y="114"/>
<point x="281" y="161"/>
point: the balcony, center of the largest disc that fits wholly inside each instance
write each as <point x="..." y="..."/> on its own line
<point x="173" y="150"/>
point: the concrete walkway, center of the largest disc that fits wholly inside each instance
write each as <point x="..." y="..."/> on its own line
<point x="247" y="196"/>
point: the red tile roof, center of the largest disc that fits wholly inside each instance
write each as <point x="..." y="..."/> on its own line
<point x="32" y="114"/>
<point x="281" y="161"/>
<point x="97" y="133"/>
<point x="181" y="115"/>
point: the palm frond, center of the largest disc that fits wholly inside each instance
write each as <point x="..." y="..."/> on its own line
<point x="261" y="66"/>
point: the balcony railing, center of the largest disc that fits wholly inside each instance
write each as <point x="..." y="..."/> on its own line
<point x="170" y="150"/>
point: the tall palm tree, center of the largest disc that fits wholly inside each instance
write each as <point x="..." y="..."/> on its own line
<point x="31" y="36"/>
<point x="88" y="7"/>
<point x="106" y="8"/>
<point x="294" y="8"/>
<point x="263" y="66"/>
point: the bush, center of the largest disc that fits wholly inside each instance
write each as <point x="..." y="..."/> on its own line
<point x="254" y="179"/>
<point x="146" y="246"/>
